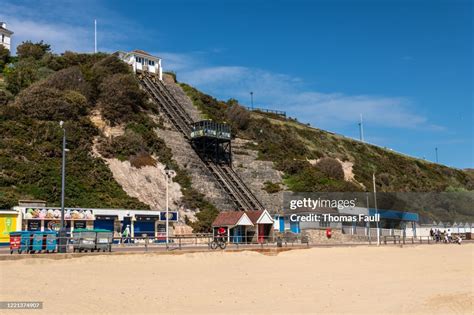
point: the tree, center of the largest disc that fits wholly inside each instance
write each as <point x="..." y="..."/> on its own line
<point x="68" y="79"/>
<point x="120" y="97"/>
<point x="29" y="49"/>
<point x="51" y="104"/>
<point x="21" y="75"/>
<point x="106" y="67"/>
<point x="238" y="116"/>
<point x="331" y="167"/>
<point x="205" y="218"/>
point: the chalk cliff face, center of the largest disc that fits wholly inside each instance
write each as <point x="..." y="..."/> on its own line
<point x="147" y="184"/>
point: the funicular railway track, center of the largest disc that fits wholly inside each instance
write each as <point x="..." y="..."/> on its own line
<point x="240" y="194"/>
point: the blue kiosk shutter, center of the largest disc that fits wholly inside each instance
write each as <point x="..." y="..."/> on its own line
<point x="104" y="224"/>
<point x="282" y="224"/>
<point x="295" y="227"/>
<point x="144" y="227"/>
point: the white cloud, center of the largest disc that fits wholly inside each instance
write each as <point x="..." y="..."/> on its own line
<point x="216" y="77"/>
<point x="339" y="109"/>
<point x="284" y="92"/>
<point x="61" y="37"/>
<point x="68" y="25"/>
<point x="176" y="61"/>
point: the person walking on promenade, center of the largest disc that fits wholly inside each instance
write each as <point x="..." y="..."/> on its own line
<point x="126" y="234"/>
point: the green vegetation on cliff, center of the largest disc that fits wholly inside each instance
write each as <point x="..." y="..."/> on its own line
<point x="292" y="145"/>
<point x="48" y="88"/>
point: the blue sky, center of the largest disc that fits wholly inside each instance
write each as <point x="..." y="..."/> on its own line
<point x="406" y="66"/>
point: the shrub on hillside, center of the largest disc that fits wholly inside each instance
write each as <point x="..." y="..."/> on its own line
<point x="142" y="159"/>
<point x="70" y="59"/>
<point x="120" y="97"/>
<point x="106" y="67"/>
<point x="124" y="146"/>
<point x="291" y="167"/>
<point x="4" y="57"/>
<point x="172" y="74"/>
<point x="238" y="117"/>
<point x="5" y="97"/>
<point x="331" y="167"/>
<point x="44" y="72"/>
<point x="29" y="49"/>
<point x="205" y="217"/>
<point x="384" y="179"/>
<point x="21" y="75"/>
<point x="51" y="104"/>
<point x="68" y="79"/>
<point x="211" y="107"/>
<point x="271" y="188"/>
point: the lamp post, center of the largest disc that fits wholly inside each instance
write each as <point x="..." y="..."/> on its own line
<point x="368" y="213"/>
<point x="436" y="151"/>
<point x="375" y="205"/>
<point x="251" y="99"/>
<point x="62" y="232"/>
<point x="169" y="173"/>
<point x="361" y="129"/>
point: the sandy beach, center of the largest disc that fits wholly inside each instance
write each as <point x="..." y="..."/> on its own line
<point x="429" y="279"/>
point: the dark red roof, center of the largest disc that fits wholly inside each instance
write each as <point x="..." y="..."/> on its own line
<point x="254" y="215"/>
<point x="226" y="218"/>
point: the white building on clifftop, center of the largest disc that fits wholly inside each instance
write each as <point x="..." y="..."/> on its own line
<point x="142" y="61"/>
<point x="5" y="36"/>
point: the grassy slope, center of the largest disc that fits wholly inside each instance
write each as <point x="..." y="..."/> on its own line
<point x="399" y="172"/>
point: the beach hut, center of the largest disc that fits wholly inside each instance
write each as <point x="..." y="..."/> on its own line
<point x="235" y="223"/>
<point x="455" y="228"/>
<point x="263" y="223"/>
<point x="468" y="227"/>
<point x="462" y="228"/>
<point x="441" y="226"/>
